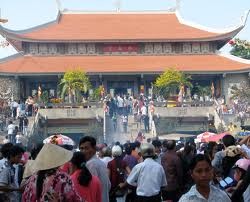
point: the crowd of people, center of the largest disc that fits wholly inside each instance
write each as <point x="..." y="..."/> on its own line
<point x="121" y="106"/>
<point x="151" y="171"/>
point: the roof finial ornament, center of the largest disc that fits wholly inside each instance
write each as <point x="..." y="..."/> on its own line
<point x="244" y="17"/>
<point x="59" y="5"/>
<point x="2" y="20"/>
<point x="118" y="5"/>
<point x="178" y="5"/>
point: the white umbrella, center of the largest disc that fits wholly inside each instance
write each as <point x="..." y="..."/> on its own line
<point x="174" y="136"/>
<point x="59" y="139"/>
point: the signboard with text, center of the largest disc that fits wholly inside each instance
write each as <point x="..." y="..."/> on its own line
<point x="107" y="48"/>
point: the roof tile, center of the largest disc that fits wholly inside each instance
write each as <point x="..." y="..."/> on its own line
<point x="120" y="64"/>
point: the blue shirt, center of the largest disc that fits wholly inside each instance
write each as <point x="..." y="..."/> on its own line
<point x="215" y="195"/>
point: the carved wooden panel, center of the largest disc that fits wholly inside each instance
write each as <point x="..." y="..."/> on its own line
<point x="205" y="47"/>
<point x="52" y="49"/>
<point x="33" y="48"/>
<point x="177" y="47"/>
<point x="72" y="49"/>
<point x="61" y="49"/>
<point x="91" y="49"/>
<point x="212" y="47"/>
<point x="82" y="48"/>
<point x="167" y="48"/>
<point x="187" y="48"/>
<point x="149" y="48"/>
<point x="43" y="49"/>
<point x="158" y="48"/>
<point x="196" y="48"/>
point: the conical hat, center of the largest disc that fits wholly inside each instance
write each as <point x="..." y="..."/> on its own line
<point x="29" y="170"/>
<point x="51" y="156"/>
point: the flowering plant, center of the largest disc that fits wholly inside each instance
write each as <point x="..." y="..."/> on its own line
<point x="56" y="100"/>
<point x="241" y="48"/>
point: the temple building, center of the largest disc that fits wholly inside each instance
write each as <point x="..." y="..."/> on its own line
<point x="124" y="51"/>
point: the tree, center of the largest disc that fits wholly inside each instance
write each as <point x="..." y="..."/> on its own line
<point x="242" y="95"/>
<point x="96" y="96"/>
<point x="241" y="48"/>
<point x="242" y="92"/>
<point x="73" y="83"/>
<point x="204" y="91"/>
<point x="171" y="81"/>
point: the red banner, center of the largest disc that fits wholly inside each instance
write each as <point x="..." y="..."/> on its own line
<point x="120" y="48"/>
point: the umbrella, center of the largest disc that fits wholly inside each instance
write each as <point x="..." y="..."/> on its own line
<point x="59" y="139"/>
<point x="215" y="138"/>
<point x="174" y="136"/>
<point x="201" y="137"/>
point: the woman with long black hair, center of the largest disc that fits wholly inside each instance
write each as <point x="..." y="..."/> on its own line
<point x="86" y="185"/>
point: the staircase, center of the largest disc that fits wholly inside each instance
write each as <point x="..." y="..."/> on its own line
<point x="132" y="130"/>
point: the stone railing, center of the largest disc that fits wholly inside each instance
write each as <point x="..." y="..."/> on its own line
<point x="184" y="104"/>
<point x="72" y="105"/>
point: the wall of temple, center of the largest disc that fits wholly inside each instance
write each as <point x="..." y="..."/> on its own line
<point x="149" y="48"/>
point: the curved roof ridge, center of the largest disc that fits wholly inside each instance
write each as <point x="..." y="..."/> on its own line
<point x="232" y="57"/>
<point x="214" y="30"/>
<point x="168" y="11"/>
<point x="28" y="30"/>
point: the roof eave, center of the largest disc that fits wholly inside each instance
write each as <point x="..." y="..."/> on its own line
<point x="223" y="35"/>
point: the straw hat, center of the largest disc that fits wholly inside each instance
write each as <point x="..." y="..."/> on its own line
<point x="51" y="156"/>
<point x="233" y="151"/>
<point x="29" y="170"/>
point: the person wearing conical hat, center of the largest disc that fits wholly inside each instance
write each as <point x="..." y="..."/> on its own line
<point x="49" y="183"/>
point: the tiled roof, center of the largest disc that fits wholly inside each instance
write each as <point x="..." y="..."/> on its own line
<point x="121" y="64"/>
<point x="119" y="26"/>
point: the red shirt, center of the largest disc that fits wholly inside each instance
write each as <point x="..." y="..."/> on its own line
<point x="66" y="167"/>
<point x="91" y="193"/>
<point x="115" y="177"/>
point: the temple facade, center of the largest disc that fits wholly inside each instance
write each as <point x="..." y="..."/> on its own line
<point x="123" y="51"/>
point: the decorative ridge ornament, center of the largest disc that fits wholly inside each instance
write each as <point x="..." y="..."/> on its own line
<point x="117" y="4"/>
<point x="59" y="5"/>
<point x="178" y="5"/>
<point x="3" y="20"/>
<point x="245" y="17"/>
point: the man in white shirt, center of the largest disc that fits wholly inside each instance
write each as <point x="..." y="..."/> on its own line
<point x="14" y="106"/>
<point x="11" y="128"/>
<point x="148" y="176"/>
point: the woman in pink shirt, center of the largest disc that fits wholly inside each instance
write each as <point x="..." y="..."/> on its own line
<point x="86" y="185"/>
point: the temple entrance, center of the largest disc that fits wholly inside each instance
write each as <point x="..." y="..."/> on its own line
<point x="120" y="87"/>
<point x="121" y="91"/>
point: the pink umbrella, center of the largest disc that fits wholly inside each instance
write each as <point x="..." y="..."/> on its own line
<point x="201" y="137"/>
<point x="59" y="139"/>
<point x="215" y="138"/>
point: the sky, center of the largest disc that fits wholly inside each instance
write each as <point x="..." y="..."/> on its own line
<point x="219" y="14"/>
